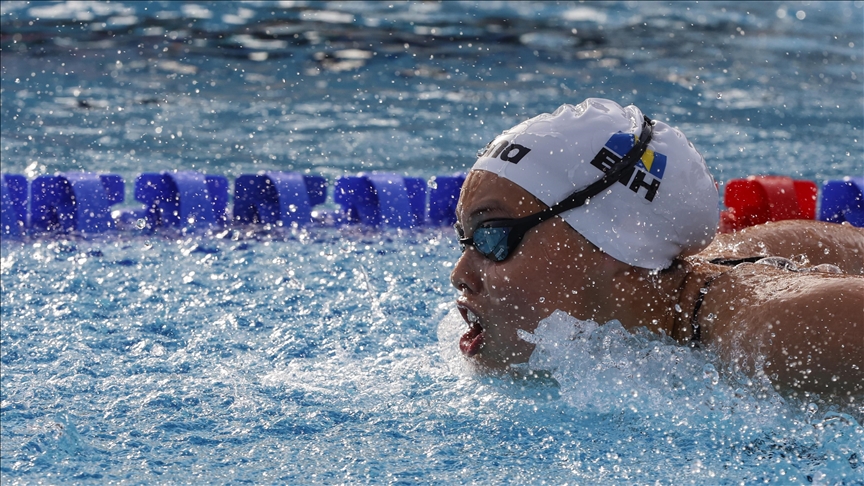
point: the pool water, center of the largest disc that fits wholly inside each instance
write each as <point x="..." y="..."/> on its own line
<point x="329" y="354"/>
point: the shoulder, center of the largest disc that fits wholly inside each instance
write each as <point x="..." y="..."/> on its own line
<point x="819" y="243"/>
<point x="757" y="291"/>
<point x="749" y="299"/>
<point x="763" y="284"/>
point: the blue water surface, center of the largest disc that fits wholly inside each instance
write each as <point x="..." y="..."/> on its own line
<point x="328" y="355"/>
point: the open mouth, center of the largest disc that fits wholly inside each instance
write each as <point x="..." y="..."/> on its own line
<point x="472" y="341"/>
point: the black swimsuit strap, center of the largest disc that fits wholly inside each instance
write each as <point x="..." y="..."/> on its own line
<point x="731" y="262"/>
<point x="694" y="319"/>
<point x="696" y="338"/>
<point x="782" y="263"/>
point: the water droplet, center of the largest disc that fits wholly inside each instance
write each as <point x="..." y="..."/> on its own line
<point x="710" y="317"/>
<point x="710" y="375"/>
<point x="542" y="299"/>
<point x="677" y="308"/>
<point x="141" y="223"/>
<point x="148" y="244"/>
<point x="801" y="260"/>
<point x="157" y="350"/>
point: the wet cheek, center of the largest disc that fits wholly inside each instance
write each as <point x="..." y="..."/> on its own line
<point x="498" y="282"/>
<point x="514" y="281"/>
<point x="511" y="297"/>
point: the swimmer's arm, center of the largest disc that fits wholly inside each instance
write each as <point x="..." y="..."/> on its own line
<point x="811" y="334"/>
<point x="836" y="244"/>
<point x="805" y="331"/>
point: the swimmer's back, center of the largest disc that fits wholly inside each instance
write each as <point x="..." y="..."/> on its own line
<point x="821" y="243"/>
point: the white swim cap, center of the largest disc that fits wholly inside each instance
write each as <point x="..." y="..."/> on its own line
<point x="665" y="208"/>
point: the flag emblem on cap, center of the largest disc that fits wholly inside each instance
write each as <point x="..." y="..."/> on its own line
<point x="647" y="174"/>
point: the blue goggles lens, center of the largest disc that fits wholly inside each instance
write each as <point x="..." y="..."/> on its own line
<point x="491" y="242"/>
<point x="496" y="239"/>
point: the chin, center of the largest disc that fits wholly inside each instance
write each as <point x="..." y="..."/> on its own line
<point x="497" y="364"/>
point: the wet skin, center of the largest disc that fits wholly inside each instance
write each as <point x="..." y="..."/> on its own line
<point x="804" y="330"/>
<point x="819" y="243"/>
<point x="552" y="268"/>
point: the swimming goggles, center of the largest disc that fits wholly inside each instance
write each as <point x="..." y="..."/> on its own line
<point x="496" y="239"/>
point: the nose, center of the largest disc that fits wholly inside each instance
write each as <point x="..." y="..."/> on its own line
<point x="466" y="276"/>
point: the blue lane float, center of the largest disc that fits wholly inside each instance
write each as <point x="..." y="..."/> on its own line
<point x="277" y="197"/>
<point x="382" y="199"/>
<point x="188" y="200"/>
<point x="82" y="202"/>
<point x="843" y="201"/>
<point x="443" y="196"/>
<point x="75" y="201"/>
<point x="13" y="204"/>
<point x="185" y="199"/>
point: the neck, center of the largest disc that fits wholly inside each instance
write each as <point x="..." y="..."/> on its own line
<point x="646" y="299"/>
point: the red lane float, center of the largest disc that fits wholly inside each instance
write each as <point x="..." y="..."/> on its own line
<point x="760" y="199"/>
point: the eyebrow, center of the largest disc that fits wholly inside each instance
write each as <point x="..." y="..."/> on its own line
<point x="478" y="212"/>
<point x="484" y="209"/>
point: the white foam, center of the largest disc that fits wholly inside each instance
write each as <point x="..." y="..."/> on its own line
<point x="648" y="387"/>
<point x="450" y="329"/>
<point x="598" y="366"/>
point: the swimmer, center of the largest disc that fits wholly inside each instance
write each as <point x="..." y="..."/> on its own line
<point x="602" y="213"/>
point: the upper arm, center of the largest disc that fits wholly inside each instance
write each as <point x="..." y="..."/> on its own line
<point x="818" y="337"/>
<point x="805" y="330"/>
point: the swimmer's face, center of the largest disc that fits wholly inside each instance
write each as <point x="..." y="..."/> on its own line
<point x="552" y="268"/>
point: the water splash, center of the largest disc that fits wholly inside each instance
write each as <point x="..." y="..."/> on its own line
<point x="658" y="397"/>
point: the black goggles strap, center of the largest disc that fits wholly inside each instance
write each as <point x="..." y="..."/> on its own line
<point x="579" y="198"/>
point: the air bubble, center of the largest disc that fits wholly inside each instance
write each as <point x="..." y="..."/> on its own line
<point x="710" y="375"/>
